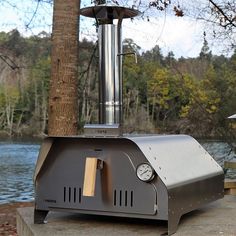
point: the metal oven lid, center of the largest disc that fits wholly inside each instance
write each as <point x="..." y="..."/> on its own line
<point x="177" y="159"/>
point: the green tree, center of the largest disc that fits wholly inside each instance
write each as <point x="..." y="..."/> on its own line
<point x="9" y="97"/>
<point x="36" y="96"/>
<point x="88" y="83"/>
<point x="164" y="96"/>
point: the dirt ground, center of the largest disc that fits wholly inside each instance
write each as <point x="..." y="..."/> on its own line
<point x="8" y="217"/>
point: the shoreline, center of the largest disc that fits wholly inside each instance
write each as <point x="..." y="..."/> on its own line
<point x="8" y="217"/>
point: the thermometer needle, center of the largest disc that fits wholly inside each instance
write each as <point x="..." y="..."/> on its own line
<point x="144" y="172"/>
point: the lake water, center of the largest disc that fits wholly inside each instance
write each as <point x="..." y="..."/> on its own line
<point x="17" y="163"/>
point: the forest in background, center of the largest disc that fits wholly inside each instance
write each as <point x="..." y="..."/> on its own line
<point x="161" y="94"/>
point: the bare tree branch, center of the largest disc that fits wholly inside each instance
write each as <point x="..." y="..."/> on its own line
<point x="34" y="14"/>
<point x="223" y="13"/>
<point x="9" y="62"/>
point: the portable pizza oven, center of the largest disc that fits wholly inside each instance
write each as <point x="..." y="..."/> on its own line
<point x="103" y="172"/>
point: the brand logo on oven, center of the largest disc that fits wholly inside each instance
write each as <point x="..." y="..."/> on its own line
<point x="101" y="131"/>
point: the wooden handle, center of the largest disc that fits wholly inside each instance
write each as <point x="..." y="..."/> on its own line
<point x="90" y="177"/>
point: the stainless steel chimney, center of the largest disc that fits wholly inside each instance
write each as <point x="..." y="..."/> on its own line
<point x="110" y="74"/>
<point x="110" y="67"/>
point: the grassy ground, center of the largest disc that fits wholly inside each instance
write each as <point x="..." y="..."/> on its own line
<point x="8" y="217"/>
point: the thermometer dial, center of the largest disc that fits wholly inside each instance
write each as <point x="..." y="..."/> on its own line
<point x="145" y="172"/>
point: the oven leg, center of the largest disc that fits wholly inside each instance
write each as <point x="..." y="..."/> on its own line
<point x="173" y="222"/>
<point x="39" y="216"/>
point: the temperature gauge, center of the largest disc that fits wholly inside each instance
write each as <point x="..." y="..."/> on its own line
<point x="145" y="172"/>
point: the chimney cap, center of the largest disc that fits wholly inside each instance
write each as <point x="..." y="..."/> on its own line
<point x="109" y="11"/>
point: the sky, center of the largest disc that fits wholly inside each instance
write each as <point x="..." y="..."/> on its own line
<point x="180" y="35"/>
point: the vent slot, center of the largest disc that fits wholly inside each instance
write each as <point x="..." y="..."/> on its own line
<point x="131" y="199"/>
<point x="114" y="199"/>
<point x="64" y="194"/>
<point x="72" y="195"/>
<point x="120" y="198"/>
<point x="80" y="194"/>
<point x="69" y="194"/>
<point x="123" y="198"/>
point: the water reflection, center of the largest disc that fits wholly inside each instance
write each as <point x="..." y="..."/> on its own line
<point x="221" y="152"/>
<point x="17" y="162"/>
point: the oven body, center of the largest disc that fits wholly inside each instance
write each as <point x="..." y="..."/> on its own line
<point x="186" y="177"/>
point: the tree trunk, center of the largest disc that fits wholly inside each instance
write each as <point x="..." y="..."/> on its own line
<point x="43" y="109"/>
<point x="63" y="98"/>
